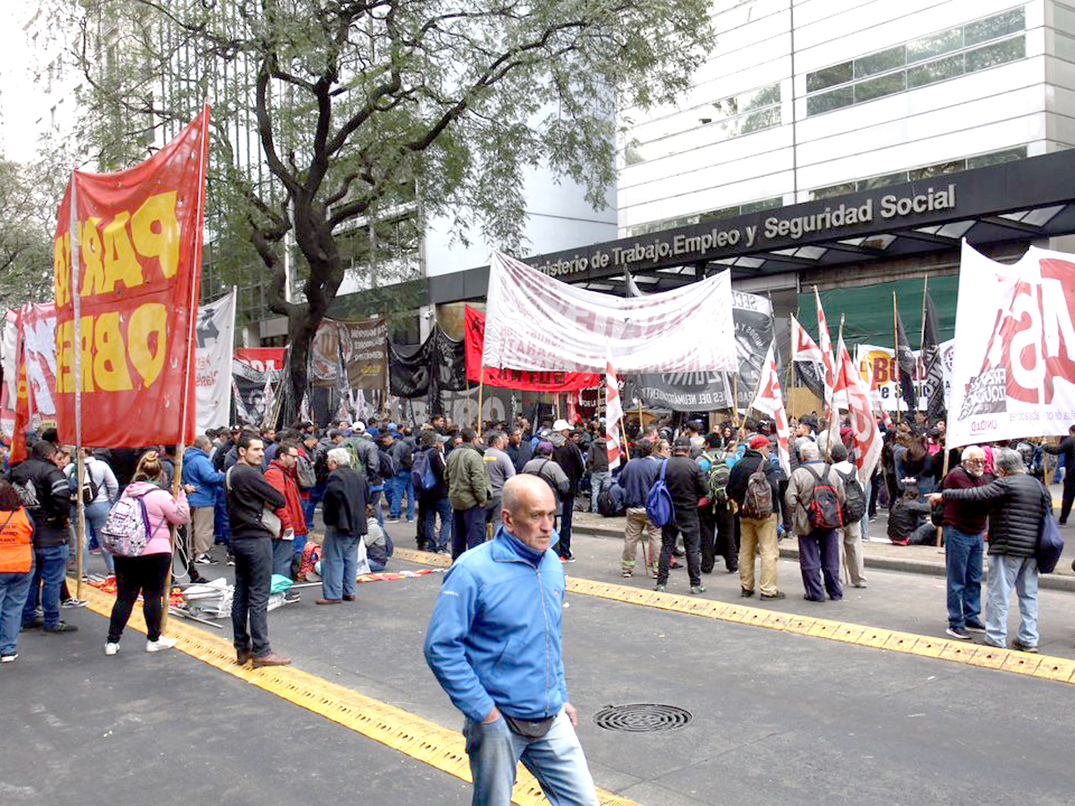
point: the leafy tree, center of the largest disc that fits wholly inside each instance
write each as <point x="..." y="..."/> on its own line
<point x="331" y="117"/>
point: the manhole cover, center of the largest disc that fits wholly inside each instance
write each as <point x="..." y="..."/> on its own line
<point x="642" y="717"/>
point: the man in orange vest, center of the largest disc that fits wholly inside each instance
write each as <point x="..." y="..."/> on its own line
<point x="16" y="567"/>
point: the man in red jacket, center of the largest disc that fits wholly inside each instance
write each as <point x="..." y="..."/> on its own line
<point x="282" y="475"/>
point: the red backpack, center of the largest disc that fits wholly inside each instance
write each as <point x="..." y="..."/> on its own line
<point x="823" y="508"/>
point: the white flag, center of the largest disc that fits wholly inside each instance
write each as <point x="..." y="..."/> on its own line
<point x="770" y="401"/>
<point x="613" y="415"/>
<point x="214" y="340"/>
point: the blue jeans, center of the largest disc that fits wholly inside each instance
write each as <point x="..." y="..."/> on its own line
<point x="597" y="484"/>
<point x="377" y="501"/>
<point x="564" y="530"/>
<point x="50" y="564"/>
<point x="96" y="515"/>
<point x="1007" y="572"/>
<point x="250" y="603"/>
<point x="438" y="506"/>
<point x="339" y="564"/>
<point x="14" y="588"/>
<point x="963" y="559"/>
<point x="402" y="483"/>
<point x="221" y="522"/>
<point x="819" y="556"/>
<point x="556" y="760"/>
<point x="282" y="553"/>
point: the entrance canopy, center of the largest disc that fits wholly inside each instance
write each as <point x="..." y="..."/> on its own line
<point x="1023" y="200"/>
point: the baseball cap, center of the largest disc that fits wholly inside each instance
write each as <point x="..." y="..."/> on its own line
<point x="359" y="427"/>
<point x="561" y="425"/>
<point x="759" y="441"/>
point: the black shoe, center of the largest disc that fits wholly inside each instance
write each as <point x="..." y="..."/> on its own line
<point x="975" y="626"/>
<point x="197" y="579"/>
<point x="777" y="595"/>
<point x="61" y="626"/>
<point x="745" y="593"/>
<point x="36" y="624"/>
<point x="733" y="569"/>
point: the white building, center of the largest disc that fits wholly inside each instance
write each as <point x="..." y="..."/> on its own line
<point x="804" y="99"/>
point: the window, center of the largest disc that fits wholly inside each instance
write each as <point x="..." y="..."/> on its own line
<point x="927" y="60"/>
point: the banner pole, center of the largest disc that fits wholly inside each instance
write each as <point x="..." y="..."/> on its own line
<point x="896" y="354"/>
<point x="481" y="390"/>
<point x="76" y="302"/>
<point x="177" y="481"/>
<point x="735" y="401"/>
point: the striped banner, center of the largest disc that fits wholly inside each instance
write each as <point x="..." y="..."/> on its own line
<point x="613" y="415"/>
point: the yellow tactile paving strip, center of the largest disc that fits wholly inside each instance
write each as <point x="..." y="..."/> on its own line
<point x="393" y="727"/>
<point x="1009" y="660"/>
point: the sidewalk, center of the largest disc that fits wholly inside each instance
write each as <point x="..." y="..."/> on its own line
<point x="878" y="552"/>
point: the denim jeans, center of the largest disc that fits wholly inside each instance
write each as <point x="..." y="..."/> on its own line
<point x="597" y="484"/>
<point x="435" y="506"/>
<point x="50" y="564"/>
<point x="819" y="556"/>
<point x="339" y="564"/>
<point x="963" y="559"/>
<point x="1007" y="572"/>
<point x="564" y="530"/>
<point x="96" y="515"/>
<point x="468" y="529"/>
<point x="283" y="551"/>
<point x="14" y="588"/>
<point x="377" y="501"/>
<point x="401" y="483"/>
<point x="221" y="521"/>
<point x="250" y="603"/>
<point x="556" y="760"/>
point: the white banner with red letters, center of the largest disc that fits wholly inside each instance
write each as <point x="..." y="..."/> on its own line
<point x="1014" y="369"/>
<point x="535" y="322"/>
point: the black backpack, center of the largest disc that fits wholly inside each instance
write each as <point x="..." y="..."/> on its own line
<point x="537" y="472"/>
<point x="855" y="505"/>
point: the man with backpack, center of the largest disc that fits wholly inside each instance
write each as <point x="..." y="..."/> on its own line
<point x="816" y="498"/>
<point x="754" y="489"/>
<point x="686" y="487"/>
<point x="851" y="531"/>
<point x="715" y="518"/>
<point x="500" y="470"/>
<point x="402" y="452"/>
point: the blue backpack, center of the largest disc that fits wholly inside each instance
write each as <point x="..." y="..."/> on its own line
<point x="422" y="472"/>
<point x="659" y="507"/>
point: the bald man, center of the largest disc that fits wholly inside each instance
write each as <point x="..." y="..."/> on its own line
<point x="494" y="645"/>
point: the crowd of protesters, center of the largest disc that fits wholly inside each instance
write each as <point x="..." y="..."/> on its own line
<point x="256" y="493"/>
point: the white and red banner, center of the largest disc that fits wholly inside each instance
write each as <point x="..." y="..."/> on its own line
<point x="770" y="401"/>
<point x="877" y="365"/>
<point x="864" y="429"/>
<point x="263" y="359"/>
<point x="213" y="341"/>
<point x="134" y="291"/>
<point x="825" y="345"/>
<point x="1014" y="369"/>
<point x="613" y="415"/>
<point x="535" y="322"/>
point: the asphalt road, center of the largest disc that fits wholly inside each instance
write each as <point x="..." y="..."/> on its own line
<point x="778" y="718"/>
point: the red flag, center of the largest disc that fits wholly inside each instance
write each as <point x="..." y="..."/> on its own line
<point x="864" y="430"/>
<point x="139" y="237"/>
<point x="770" y="400"/>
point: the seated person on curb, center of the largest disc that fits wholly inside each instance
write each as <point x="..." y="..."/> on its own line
<point x="905" y="524"/>
<point x="378" y="544"/>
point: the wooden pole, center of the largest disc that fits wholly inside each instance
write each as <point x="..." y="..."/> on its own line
<point x="177" y="482"/>
<point x="481" y="390"/>
<point x="735" y="400"/>
<point x="80" y="510"/>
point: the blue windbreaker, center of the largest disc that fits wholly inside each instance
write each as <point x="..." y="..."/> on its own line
<point x="198" y="471"/>
<point x="494" y="636"/>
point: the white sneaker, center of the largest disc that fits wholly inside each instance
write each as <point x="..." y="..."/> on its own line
<point x="111" y="649"/>
<point x="9" y="658"/>
<point x="164" y="642"/>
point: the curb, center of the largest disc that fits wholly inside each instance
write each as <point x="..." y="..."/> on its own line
<point x="1045" y="581"/>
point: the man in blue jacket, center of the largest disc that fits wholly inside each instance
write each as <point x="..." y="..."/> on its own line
<point x="198" y="472"/>
<point x="494" y="645"/>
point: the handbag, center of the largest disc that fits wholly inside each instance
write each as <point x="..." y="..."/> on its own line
<point x="1050" y="542"/>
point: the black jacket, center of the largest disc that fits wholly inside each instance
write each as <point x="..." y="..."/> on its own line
<point x="1016" y="507"/>
<point x="1066" y="448"/>
<point x="344" y="504"/>
<point x="520" y="454"/>
<point x="53" y="492"/>
<point x="569" y="457"/>
<point x="687" y="484"/>
<point x="248" y="494"/>
<point x="744" y="469"/>
<point x="597" y="455"/>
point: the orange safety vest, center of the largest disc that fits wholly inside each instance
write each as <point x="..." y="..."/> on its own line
<point x="16" y="547"/>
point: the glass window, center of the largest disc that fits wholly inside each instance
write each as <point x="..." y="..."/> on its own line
<point x="833" y="190"/>
<point x="755" y="99"/>
<point x="883" y="181"/>
<point x="723" y="212"/>
<point x="994" y="27"/>
<point x="829" y="77"/>
<point x="764" y="204"/>
<point x="758" y="121"/>
<point x="937" y="170"/>
<point x="1063" y="18"/>
<point x="1064" y="46"/>
<point x="880" y="87"/>
<point x="999" y="53"/>
<point x="997" y="157"/>
<point x="934" y="45"/>
<point x="938" y="70"/>
<point x="880" y="62"/>
<point x="826" y="102"/>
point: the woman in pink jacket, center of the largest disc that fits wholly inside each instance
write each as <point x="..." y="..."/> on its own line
<point x="145" y="573"/>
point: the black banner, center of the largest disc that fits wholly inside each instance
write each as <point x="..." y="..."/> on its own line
<point x="436" y="366"/>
